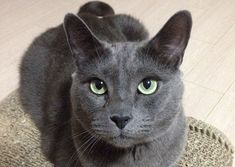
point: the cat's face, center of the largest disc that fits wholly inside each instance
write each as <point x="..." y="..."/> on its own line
<point x="122" y="71"/>
<point x="128" y="93"/>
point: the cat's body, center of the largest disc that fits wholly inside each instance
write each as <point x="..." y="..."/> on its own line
<point x="54" y="91"/>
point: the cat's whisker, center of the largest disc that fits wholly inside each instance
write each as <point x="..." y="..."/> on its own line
<point x="94" y="143"/>
<point x="76" y="151"/>
<point x="85" y="133"/>
<point x="88" y="145"/>
<point x="83" y="145"/>
<point x="71" y="158"/>
<point x="74" y="136"/>
<point x="82" y="133"/>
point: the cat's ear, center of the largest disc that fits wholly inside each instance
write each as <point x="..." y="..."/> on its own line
<point x="79" y="36"/>
<point x="169" y="44"/>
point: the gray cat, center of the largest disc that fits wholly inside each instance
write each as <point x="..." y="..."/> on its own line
<point x="105" y="95"/>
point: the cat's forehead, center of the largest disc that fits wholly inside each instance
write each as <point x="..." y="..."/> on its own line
<point x="124" y="60"/>
<point x="124" y="52"/>
<point x="123" y="57"/>
<point x="127" y="58"/>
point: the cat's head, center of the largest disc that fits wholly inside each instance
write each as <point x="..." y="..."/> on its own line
<point x="127" y="93"/>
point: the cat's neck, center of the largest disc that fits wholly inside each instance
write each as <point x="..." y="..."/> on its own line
<point x="164" y="151"/>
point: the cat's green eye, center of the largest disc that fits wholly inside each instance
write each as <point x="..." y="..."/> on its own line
<point x="147" y="86"/>
<point x="98" y="87"/>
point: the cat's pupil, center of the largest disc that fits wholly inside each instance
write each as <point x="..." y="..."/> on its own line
<point x="99" y="84"/>
<point x="147" y="83"/>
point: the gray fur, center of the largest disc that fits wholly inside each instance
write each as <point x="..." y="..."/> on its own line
<point x="75" y="125"/>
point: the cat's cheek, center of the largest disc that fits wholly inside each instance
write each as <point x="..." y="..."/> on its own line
<point x="90" y="100"/>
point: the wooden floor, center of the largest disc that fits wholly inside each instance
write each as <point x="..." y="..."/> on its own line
<point x="209" y="63"/>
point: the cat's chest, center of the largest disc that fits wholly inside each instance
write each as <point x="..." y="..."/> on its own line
<point x="131" y="161"/>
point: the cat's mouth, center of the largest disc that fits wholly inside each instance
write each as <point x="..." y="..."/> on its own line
<point x="121" y="141"/>
<point x="121" y="136"/>
<point x="124" y="137"/>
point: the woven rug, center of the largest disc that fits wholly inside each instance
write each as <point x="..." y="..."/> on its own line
<point x="20" y="145"/>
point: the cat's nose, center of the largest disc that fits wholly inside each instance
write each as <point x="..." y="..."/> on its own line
<point x="120" y="121"/>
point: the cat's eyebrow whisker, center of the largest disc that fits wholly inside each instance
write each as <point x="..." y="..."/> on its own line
<point x="97" y="52"/>
<point x="147" y="51"/>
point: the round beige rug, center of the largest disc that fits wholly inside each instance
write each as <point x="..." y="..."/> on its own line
<point x="20" y="146"/>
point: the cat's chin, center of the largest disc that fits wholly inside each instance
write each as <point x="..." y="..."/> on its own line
<point x="121" y="142"/>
